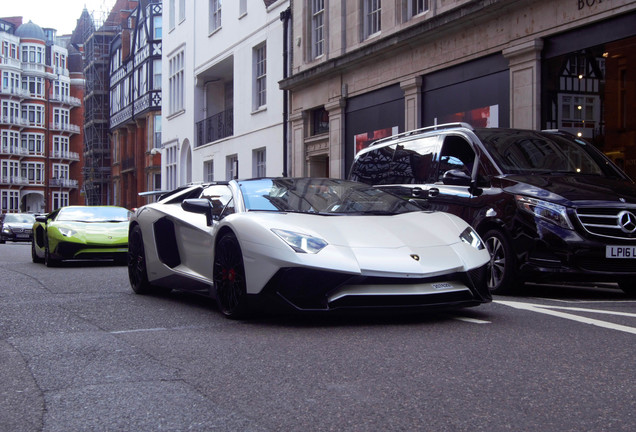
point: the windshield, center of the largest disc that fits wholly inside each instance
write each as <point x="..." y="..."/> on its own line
<point x="323" y="196"/>
<point x="93" y="214"/>
<point x="19" y="218"/>
<point x="526" y="152"/>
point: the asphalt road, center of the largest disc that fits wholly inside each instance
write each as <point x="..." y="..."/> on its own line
<point x="80" y="352"/>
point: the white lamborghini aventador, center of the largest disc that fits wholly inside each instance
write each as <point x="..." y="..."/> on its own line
<point x="306" y="244"/>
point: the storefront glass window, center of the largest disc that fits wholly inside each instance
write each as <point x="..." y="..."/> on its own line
<point x="586" y="93"/>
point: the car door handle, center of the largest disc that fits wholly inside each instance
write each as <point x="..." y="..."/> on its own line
<point x="433" y="192"/>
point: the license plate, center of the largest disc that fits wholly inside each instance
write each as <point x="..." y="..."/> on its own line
<point x="620" y="252"/>
<point x="22" y="235"/>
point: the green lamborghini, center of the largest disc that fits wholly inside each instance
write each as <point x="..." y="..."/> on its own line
<point x="81" y="233"/>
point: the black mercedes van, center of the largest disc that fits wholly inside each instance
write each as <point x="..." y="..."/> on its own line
<point x="548" y="205"/>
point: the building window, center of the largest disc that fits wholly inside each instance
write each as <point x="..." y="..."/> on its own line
<point x="32" y="54"/>
<point x="34" y="86"/>
<point x="175" y="82"/>
<point x="242" y="7"/>
<point x="231" y="167"/>
<point x="215" y="15"/>
<point x="60" y="146"/>
<point x="60" y="171"/>
<point x="157" y="27"/>
<point x="33" y="114"/>
<point x="156" y="136"/>
<point x="319" y="121"/>
<point x="317" y="28"/>
<point x="156" y="74"/>
<point x="11" y="111"/>
<point x="260" y="76"/>
<point x="61" y="90"/>
<point x="11" y="171"/>
<point x="171" y="14"/>
<point x="11" y="142"/>
<point x="171" y="155"/>
<point x="208" y="170"/>
<point x="33" y="172"/>
<point x="259" y="163"/>
<point x="411" y="8"/>
<point x="10" y="201"/>
<point x="34" y="143"/>
<point x="371" y="17"/>
<point x="10" y="81"/>
<point x="61" y="118"/>
<point x="60" y="199"/>
<point x="182" y="6"/>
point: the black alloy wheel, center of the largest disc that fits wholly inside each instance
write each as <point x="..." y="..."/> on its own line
<point x="501" y="267"/>
<point x="137" y="271"/>
<point x="229" y="278"/>
<point x="34" y="256"/>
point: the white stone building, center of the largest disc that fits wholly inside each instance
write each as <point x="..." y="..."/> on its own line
<point x="222" y="106"/>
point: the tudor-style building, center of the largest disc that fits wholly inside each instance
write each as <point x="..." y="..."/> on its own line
<point x="135" y="104"/>
<point x="41" y="113"/>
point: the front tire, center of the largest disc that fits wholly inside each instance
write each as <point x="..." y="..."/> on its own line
<point x="502" y="265"/>
<point x="229" y="278"/>
<point x="34" y="256"/>
<point x="49" y="261"/>
<point x="137" y="270"/>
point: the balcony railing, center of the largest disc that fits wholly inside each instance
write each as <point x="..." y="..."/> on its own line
<point x="33" y="67"/>
<point x="15" y="91"/>
<point x="17" y="151"/>
<point x="57" y="154"/>
<point x="68" y="100"/>
<point x="63" y="182"/>
<point x="14" y="180"/>
<point x="14" y="121"/>
<point x="64" y="127"/>
<point x="215" y="127"/>
<point x="10" y="62"/>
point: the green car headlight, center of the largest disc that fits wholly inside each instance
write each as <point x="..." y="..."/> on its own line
<point x="301" y="243"/>
<point x="470" y="236"/>
<point x="67" y="232"/>
<point x="555" y="213"/>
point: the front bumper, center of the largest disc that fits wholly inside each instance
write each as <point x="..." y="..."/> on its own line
<point x="303" y="289"/>
<point x="556" y="254"/>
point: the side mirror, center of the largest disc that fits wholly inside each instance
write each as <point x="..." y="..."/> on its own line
<point x="41" y="219"/>
<point x="212" y="209"/>
<point x="456" y="177"/>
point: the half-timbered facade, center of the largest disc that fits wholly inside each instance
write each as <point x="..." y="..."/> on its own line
<point x="135" y="104"/>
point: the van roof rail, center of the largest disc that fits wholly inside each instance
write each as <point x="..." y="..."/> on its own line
<point x="422" y="130"/>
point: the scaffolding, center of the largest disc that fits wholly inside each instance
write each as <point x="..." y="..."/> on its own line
<point x="96" y="172"/>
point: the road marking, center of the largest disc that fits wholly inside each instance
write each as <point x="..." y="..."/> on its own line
<point x="139" y="330"/>
<point x="471" y="320"/>
<point x="549" y="311"/>
<point x="627" y="314"/>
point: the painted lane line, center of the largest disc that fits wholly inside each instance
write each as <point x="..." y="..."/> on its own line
<point x="547" y="311"/>
<point x="139" y="330"/>
<point x="471" y="320"/>
<point x="574" y="309"/>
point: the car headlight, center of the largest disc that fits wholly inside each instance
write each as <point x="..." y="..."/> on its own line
<point x="301" y="243"/>
<point x="67" y="232"/>
<point x="470" y="236"/>
<point x="555" y="213"/>
<point x="6" y="230"/>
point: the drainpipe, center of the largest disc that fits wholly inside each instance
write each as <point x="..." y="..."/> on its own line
<point x="285" y="17"/>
